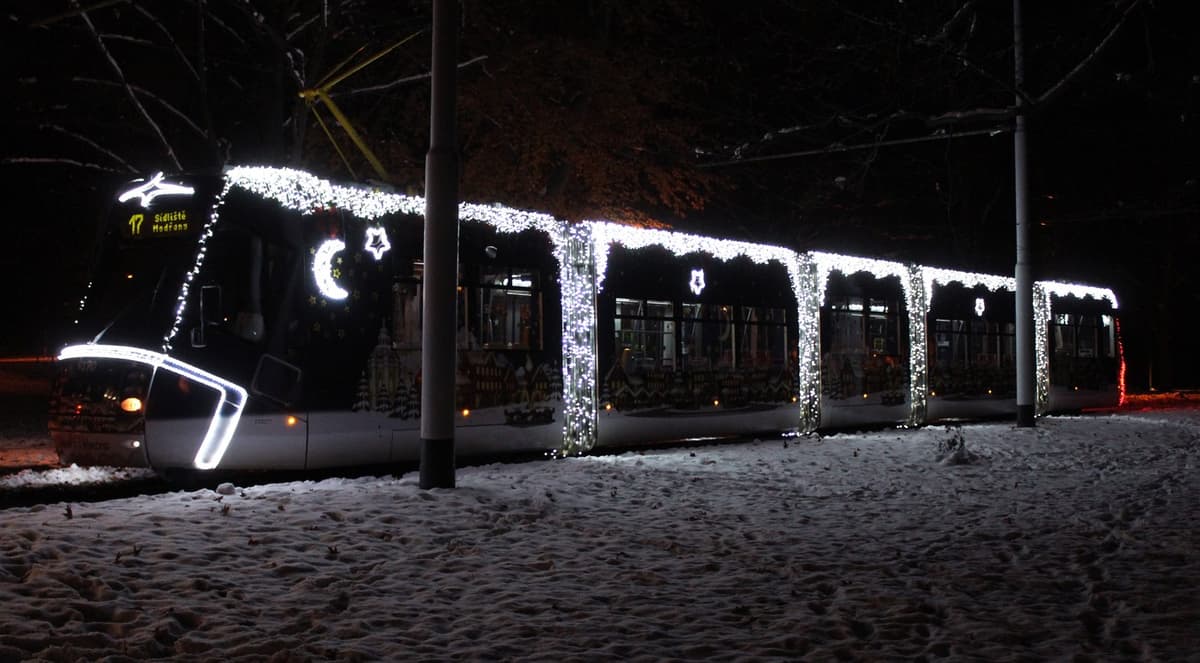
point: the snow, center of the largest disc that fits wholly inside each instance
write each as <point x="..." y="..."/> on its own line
<point x="1072" y="540"/>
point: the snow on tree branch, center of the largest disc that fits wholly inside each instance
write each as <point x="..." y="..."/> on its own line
<point x="57" y="161"/>
<point x="170" y="40"/>
<point x="91" y="143"/>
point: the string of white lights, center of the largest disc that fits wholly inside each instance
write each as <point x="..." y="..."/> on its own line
<point x="206" y="232"/>
<point x="1059" y="289"/>
<point x="936" y="275"/>
<point x="582" y="251"/>
<point x="573" y="246"/>
<point x="606" y="234"/>
<point x="1041" y="340"/>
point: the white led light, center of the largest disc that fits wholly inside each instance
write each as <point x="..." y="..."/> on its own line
<point x="154" y="188"/>
<point x="697" y="283"/>
<point x="980" y="307"/>
<point x="582" y="251"/>
<point x="232" y="397"/>
<point x="604" y="235"/>
<point x="967" y="279"/>
<point x="201" y="250"/>
<point x="1081" y="291"/>
<point x="323" y="269"/>
<point x="377" y="242"/>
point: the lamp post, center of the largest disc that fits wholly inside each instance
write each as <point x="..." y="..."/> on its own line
<point x="440" y="278"/>
<point x="1026" y="373"/>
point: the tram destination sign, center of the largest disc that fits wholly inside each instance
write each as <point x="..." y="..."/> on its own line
<point x="145" y="224"/>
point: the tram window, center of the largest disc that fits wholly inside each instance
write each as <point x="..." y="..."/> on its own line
<point x="708" y="338"/>
<point x="1064" y="334"/>
<point x="1108" y="337"/>
<point x="1084" y="336"/>
<point x="846" y="317"/>
<point x="253" y="275"/>
<point x="644" y="333"/>
<point x="978" y="343"/>
<point x="762" y="336"/>
<point x="406" y="314"/>
<point x="510" y="310"/>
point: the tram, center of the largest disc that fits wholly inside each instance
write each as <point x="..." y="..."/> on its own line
<point x="266" y="318"/>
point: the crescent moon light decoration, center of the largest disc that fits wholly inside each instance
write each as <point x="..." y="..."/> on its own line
<point x="323" y="269"/>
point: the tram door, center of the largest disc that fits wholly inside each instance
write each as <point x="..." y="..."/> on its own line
<point x="240" y="326"/>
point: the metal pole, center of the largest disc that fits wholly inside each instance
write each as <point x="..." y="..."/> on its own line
<point x="1026" y="373"/>
<point x="440" y="280"/>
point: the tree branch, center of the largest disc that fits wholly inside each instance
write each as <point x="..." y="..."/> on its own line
<point x="91" y="143"/>
<point x="138" y="90"/>
<point x="55" y="161"/>
<point x="170" y="153"/>
<point x="401" y="81"/>
<point x="836" y="148"/>
<point x="1058" y="87"/>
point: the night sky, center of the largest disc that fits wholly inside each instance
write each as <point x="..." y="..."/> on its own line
<point x="669" y="113"/>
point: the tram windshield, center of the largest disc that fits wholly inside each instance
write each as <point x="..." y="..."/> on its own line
<point x="134" y="293"/>
<point x="150" y="243"/>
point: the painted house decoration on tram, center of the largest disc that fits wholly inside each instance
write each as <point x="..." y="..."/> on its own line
<point x="271" y="319"/>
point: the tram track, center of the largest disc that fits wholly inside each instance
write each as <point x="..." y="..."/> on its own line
<point x="27" y="496"/>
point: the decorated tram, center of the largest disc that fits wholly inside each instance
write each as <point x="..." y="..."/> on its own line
<point x="269" y="319"/>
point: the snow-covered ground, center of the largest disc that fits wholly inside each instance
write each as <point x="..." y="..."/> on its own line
<point x="1075" y="540"/>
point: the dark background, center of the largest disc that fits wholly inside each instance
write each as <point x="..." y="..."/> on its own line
<point x="729" y="119"/>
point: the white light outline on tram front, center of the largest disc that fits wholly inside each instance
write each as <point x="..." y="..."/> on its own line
<point x="225" y="417"/>
<point x="155" y="188"/>
<point x="323" y="269"/>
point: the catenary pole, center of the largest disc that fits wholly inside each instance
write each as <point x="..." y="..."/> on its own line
<point x="440" y="280"/>
<point x="1026" y="373"/>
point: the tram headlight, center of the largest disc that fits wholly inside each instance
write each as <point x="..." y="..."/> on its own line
<point x="132" y="404"/>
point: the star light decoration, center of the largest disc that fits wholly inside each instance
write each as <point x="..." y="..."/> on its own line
<point x="377" y="242"/>
<point x="582" y="250"/>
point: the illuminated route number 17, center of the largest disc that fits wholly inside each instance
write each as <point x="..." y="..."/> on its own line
<point x="135" y="224"/>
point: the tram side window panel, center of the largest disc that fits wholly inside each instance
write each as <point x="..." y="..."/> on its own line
<point x="254" y="275"/>
<point x="1083" y="350"/>
<point x="506" y="313"/>
<point x="864" y="342"/>
<point x="972" y="343"/>
<point x="689" y="354"/>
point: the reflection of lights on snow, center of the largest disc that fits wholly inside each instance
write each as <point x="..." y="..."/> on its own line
<point x="154" y="188"/>
<point x="377" y="242"/>
<point x="323" y="269"/>
<point x="980" y="307"/>
<point x="232" y="398"/>
<point x="697" y="282"/>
